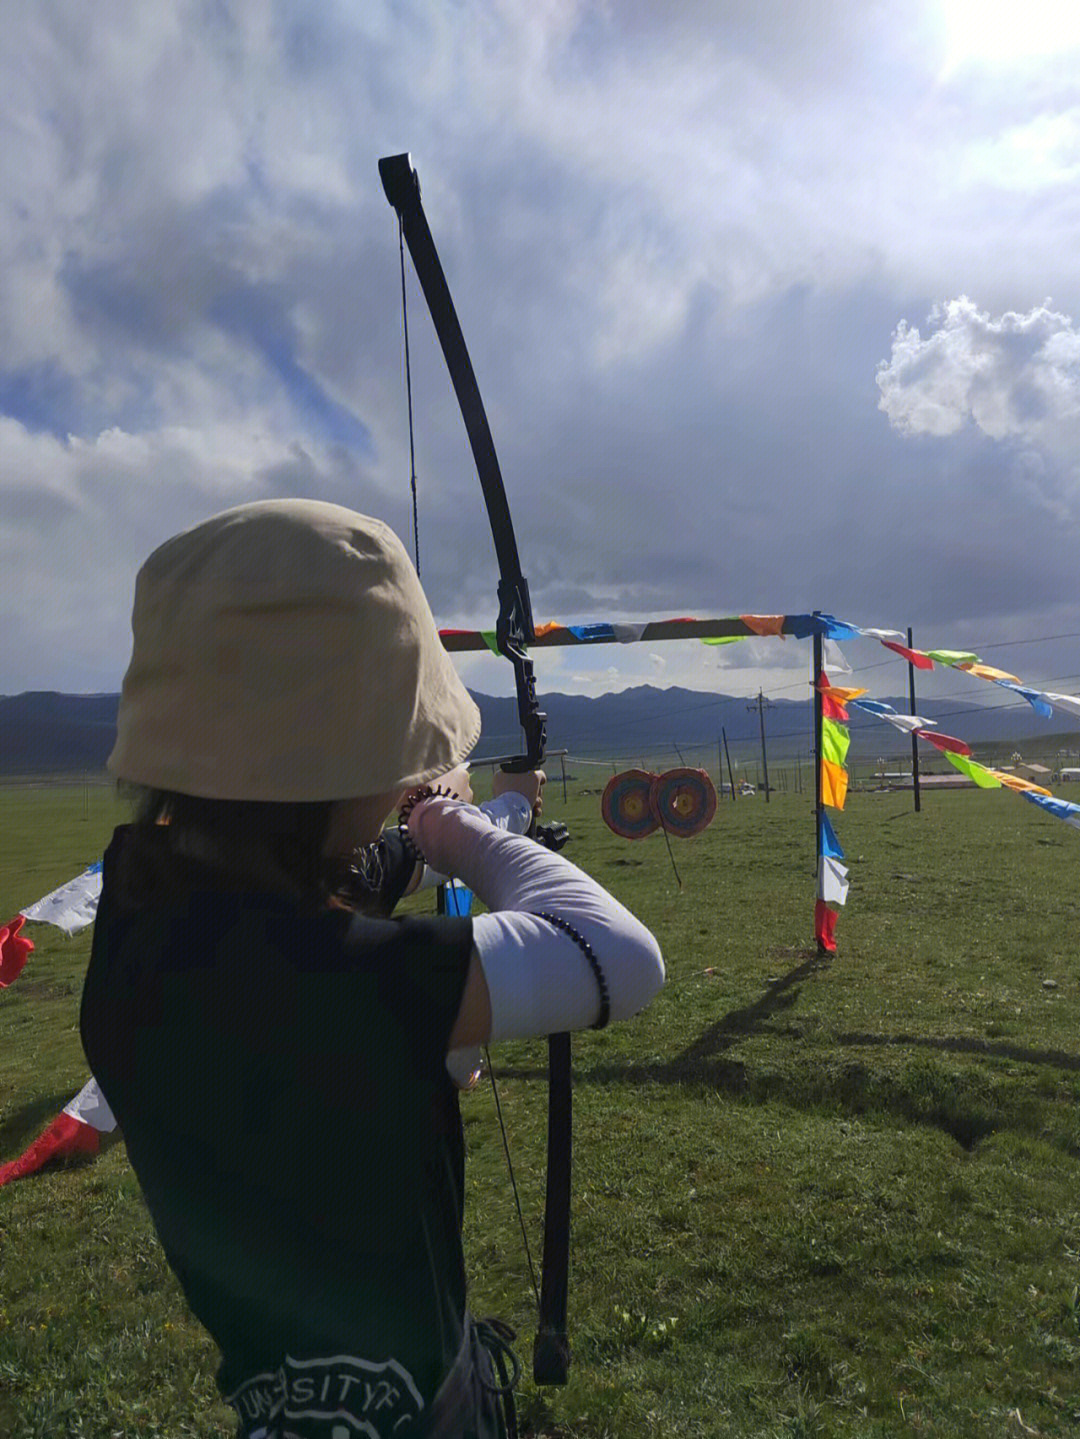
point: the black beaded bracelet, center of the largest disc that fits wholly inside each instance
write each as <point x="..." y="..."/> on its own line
<point x="587" y="950"/>
<point x="412" y="799"/>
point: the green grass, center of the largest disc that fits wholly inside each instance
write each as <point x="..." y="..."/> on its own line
<point x="811" y="1197"/>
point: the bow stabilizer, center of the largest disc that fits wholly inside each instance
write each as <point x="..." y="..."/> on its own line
<point x="514" y="631"/>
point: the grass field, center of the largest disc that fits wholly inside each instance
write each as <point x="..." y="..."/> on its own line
<point x="810" y="1197"/>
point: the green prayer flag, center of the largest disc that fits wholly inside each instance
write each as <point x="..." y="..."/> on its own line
<point x="724" y="639"/>
<point x="978" y="772"/>
<point x="488" y="636"/>
<point x="954" y="657"/>
<point x="835" y="739"/>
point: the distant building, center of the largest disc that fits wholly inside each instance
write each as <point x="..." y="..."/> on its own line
<point x="1036" y="773"/>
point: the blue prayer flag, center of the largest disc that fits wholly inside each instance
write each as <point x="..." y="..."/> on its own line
<point x="830" y="845"/>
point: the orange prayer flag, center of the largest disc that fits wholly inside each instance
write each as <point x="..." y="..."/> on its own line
<point x="764" y="624"/>
<point x="840" y="695"/>
<point x="548" y="628"/>
<point x="834" y="783"/>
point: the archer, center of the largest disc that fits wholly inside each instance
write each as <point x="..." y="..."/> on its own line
<point x="277" y="1049"/>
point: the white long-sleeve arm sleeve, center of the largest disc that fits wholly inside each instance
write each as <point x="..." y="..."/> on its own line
<point x="510" y="811"/>
<point x="538" y="980"/>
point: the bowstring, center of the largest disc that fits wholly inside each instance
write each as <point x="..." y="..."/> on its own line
<point x="506" y="1149"/>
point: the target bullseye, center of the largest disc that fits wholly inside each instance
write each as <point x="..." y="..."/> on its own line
<point x="627" y="806"/>
<point x="683" y="801"/>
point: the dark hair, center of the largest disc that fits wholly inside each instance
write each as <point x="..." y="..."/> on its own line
<point x="176" y="839"/>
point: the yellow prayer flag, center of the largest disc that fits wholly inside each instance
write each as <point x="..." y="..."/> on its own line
<point x="988" y="672"/>
<point x="1014" y="781"/>
<point x="834" y="783"/>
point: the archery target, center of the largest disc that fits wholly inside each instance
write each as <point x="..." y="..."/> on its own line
<point x="683" y="801"/>
<point x="626" y="804"/>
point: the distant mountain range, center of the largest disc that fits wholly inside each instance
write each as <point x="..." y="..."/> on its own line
<point x="42" y="732"/>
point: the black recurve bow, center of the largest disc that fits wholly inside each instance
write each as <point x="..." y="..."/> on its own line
<point x="513" y="633"/>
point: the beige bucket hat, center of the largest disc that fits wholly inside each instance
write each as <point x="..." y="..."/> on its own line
<point x="285" y="651"/>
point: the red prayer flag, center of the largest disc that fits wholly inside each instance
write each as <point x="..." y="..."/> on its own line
<point x="14" y="951"/>
<point x="65" y="1137"/>
<point x="944" y="741"/>
<point x="914" y="657"/>
<point x="832" y="709"/>
<point x="825" y="926"/>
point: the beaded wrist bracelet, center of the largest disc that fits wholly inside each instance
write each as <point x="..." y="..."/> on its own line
<point x="412" y="799"/>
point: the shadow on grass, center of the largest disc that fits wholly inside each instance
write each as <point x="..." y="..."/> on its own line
<point x="965" y="1044"/>
<point x="968" y="1107"/>
<point x="24" y="1124"/>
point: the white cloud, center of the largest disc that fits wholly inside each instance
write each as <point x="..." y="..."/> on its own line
<point x="1016" y="375"/>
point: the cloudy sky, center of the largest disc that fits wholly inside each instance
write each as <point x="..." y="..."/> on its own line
<point x="771" y="303"/>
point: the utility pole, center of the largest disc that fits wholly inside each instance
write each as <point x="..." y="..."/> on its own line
<point x="727" y="752"/>
<point x="762" y="705"/>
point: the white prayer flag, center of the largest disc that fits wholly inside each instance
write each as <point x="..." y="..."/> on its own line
<point x="832" y="881"/>
<point x="73" y="906"/>
<point x="89" y="1107"/>
<point x="1065" y="702"/>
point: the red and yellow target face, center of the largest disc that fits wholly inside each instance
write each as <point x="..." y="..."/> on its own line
<point x="683" y="801"/>
<point x="626" y="804"/>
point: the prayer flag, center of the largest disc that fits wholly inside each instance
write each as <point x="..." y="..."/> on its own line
<point x="803" y="627"/>
<point x="835" y="659"/>
<point x="834" y="629"/>
<point x="76" y="1130"/>
<point x="764" y="624"/>
<point x="73" y="906"/>
<point x="1035" y="698"/>
<point x="825" y="926"/>
<point x="829" y="844"/>
<point x="592" y="633"/>
<point x="987" y="672"/>
<point x="882" y="634"/>
<point x="917" y="658"/>
<point x="1059" y="808"/>
<point x="838" y="693"/>
<point x="831" y="710"/>
<point x="908" y="724"/>
<point x="723" y="639"/>
<point x="834" y="783"/>
<point x="983" y="777"/>
<point x="835" y="741"/>
<point x="944" y="741"/>
<point x="1018" y="783"/>
<point x="954" y="657"/>
<point x="14" y="951"/>
<point x="1065" y="702"/>
<point x="628" y="634"/>
<point x="488" y="636"/>
<point x="832" y="881"/>
<point x="874" y="707"/>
